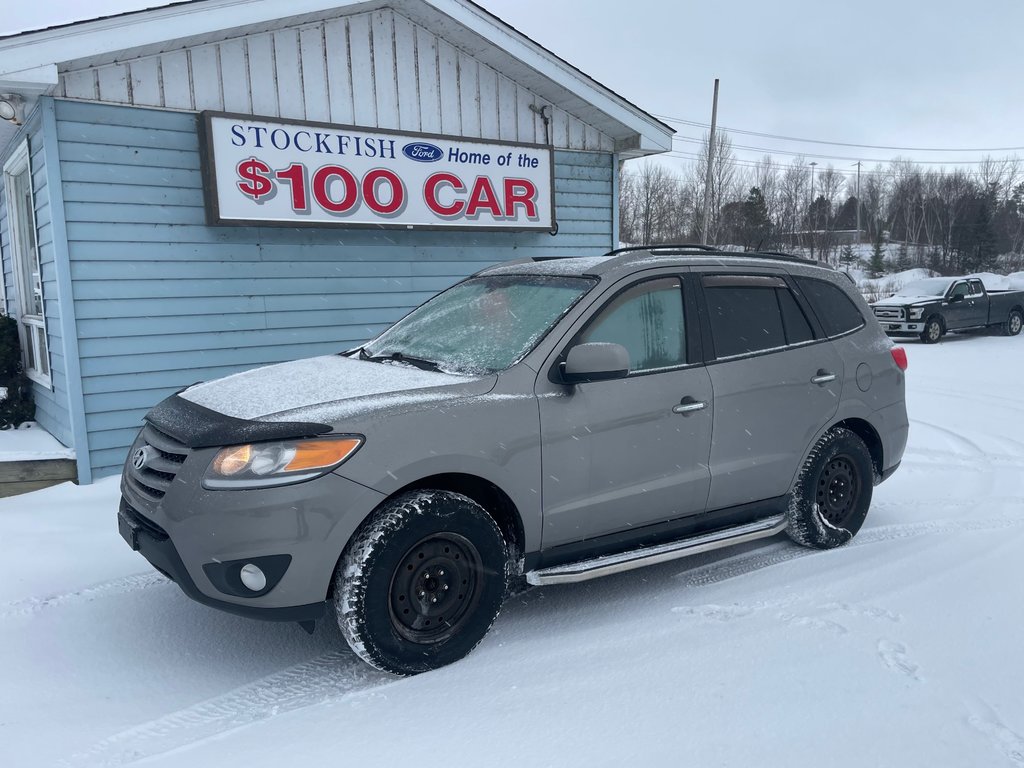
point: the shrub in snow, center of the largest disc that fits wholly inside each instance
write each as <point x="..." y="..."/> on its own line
<point x="17" y="407"/>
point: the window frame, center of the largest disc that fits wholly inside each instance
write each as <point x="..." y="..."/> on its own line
<point x="691" y="315"/>
<point x="747" y="279"/>
<point x="31" y="328"/>
<point x="810" y="312"/>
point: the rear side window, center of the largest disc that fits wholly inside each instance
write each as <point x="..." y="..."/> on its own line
<point x="744" y="318"/>
<point x="836" y="312"/>
<point x="797" y="328"/>
<point x="648" y="321"/>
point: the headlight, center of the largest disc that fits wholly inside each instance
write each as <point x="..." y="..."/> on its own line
<point x="260" y="465"/>
<point x="915" y="313"/>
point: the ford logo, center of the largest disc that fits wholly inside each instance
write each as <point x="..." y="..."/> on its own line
<point x="422" y="152"/>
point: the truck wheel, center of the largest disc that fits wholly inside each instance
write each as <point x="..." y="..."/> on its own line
<point x="1013" y="323"/>
<point x="932" y="331"/>
<point x="421" y="582"/>
<point x="832" y="493"/>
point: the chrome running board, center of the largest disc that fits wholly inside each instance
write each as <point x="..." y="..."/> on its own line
<point x="661" y="553"/>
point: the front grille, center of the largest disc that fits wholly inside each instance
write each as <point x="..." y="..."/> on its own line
<point x="889" y="313"/>
<point x="143" y="522"/>
<point x="154" y="480"/>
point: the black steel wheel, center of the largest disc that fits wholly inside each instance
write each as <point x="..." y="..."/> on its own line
<point x="832" y="493"/>
<point x="932" y="332"/>
<point x="421" y="582"/>
<point x="838" y="492"/>
<point x="435" y="588"/>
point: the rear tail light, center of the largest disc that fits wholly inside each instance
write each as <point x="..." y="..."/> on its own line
<point x="899" y="356"/>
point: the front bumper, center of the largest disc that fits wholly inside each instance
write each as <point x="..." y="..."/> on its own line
<point x="913" y="328"/>
<point x="153" y="543"/>
<point x="191" y="533"/>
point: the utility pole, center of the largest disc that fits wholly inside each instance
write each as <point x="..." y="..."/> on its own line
<point x="858" y="201"/>
<point x="810" y="209"/>
<point x="711" y="161"/>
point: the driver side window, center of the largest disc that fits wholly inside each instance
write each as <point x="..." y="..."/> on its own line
<point x="648" y="321"/>
<point x="960" y="289"/>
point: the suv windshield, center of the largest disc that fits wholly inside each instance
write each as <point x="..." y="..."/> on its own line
<point x="482" y="325"/>
<point x="933" y="286"/>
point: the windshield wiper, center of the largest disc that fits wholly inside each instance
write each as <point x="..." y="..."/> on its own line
<point x="401" y="357"/>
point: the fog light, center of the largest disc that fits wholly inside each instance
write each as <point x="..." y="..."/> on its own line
<point x="253" y="578"/>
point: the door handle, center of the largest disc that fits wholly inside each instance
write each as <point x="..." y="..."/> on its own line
<point x="823" y="377"/>
<point x="689" y="405"/>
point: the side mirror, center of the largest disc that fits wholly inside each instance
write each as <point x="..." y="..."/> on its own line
<point x="956" y="298"/>
<point x="596" y="361"/>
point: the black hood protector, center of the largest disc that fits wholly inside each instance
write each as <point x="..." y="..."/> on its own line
<point x="200" y="427"/>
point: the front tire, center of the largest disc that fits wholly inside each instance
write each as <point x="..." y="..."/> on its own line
<point x="1013" y="323"/>
<point x="421" y="582"/>
<point x="932" y="331"/>
<point x="832" y="494"/>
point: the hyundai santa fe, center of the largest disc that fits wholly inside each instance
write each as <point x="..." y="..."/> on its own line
<point x="541" y="422"/>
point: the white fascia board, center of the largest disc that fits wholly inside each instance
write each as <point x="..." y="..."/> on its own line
<point x="654" y="136"/>
<point x="30" y="81"/>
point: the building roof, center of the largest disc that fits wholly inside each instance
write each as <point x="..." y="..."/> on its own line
<point x="31" y="62"/>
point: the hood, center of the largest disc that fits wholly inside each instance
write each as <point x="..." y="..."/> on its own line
<point x="906" y="301"/>
<point x="317" y="387"/>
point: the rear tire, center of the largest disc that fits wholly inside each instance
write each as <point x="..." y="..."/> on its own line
<point x="421" y="582"/>
<point x="932" y="331"/>
<point x="1013" y="323"/>
<point x="832" y="494"/>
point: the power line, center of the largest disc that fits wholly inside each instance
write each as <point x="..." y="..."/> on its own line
<point x="698" y="124"/>
<point x="746" y="163"/>
<point x="832" y="157"/>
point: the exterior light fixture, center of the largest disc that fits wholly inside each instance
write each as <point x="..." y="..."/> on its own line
<point x="10" y="108"/>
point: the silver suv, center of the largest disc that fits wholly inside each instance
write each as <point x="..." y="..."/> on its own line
<point x="542" y="422"/>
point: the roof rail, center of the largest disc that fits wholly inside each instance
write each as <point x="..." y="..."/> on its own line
<point x="664" y="247"/>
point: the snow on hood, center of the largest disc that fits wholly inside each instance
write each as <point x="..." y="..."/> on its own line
<point x="902" y="301"/>
<point x="310" y="382"/>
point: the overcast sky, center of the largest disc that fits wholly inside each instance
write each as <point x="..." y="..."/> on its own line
<point x="941" y="74"/>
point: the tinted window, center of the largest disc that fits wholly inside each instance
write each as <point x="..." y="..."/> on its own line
<point x="647" y="320"/>
<point x="960" y="289"/>
<point x="836" y="312"/>
<point x="744" y="319"/>
<point x="977" y="288"/>
<point x="793" y="318"/>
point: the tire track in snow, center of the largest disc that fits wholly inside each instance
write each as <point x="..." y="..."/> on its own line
<point x="783" y="552"/>
<point x="329" y="677"/>
<point x="1002" y="738"/>
<point x="122" y="586"/>
<point x="956" y="437"/>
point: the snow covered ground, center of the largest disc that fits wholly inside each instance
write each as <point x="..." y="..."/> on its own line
<point x="900" y="649"/>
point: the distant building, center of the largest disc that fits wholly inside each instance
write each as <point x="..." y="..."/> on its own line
<point x="204" y="187"/>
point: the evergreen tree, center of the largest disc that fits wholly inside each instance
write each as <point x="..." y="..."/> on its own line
<point x="877" y="264"/>
<point x="846" y="258"/>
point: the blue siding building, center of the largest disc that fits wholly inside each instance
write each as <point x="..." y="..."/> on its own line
<point x="105" y="218"/>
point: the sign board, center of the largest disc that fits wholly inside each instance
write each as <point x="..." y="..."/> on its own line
<point x="264" y="171"/>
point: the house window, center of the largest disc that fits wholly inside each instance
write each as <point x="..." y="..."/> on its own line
<point x="28" y="279"/>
